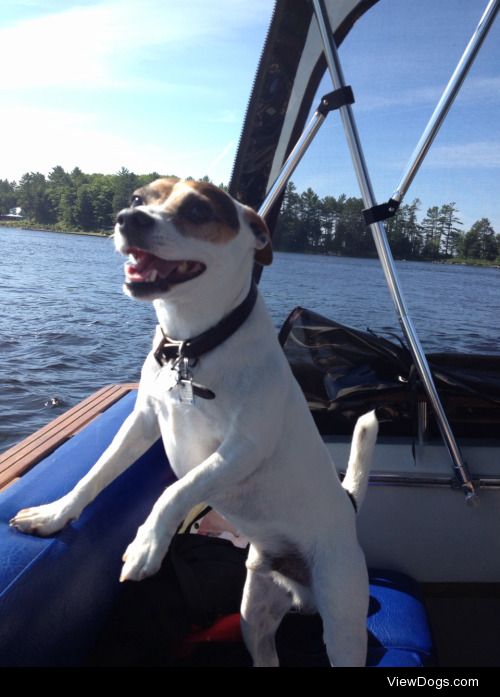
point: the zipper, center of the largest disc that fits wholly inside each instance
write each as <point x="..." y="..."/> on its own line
<point x="250" y="99"/>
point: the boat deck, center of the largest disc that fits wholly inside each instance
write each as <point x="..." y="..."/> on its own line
<point x="462" y="615"/>
<point x="464" y="626"/>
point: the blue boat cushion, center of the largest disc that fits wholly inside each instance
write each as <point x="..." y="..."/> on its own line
<point x="398" y="629"/>
<point x="56" y="593"/>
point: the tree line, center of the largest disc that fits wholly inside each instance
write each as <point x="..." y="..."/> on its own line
<point x="307" y="223"/>
<point x="71" y="200"/>
<point x="330" y="225"/>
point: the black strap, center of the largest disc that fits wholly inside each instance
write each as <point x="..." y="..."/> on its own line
<point x="169" y="349"/>
<point x="336" y="99"/>
<point x="383" y="211"/>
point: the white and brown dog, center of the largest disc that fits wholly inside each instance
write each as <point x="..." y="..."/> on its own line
<point x="234" y="422"/>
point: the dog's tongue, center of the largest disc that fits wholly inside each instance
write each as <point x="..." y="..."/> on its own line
<point x="147" y="267"/>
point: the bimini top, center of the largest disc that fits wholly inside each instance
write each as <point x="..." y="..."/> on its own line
<point x="290" y="69"/>
<point x="302" y="40"/>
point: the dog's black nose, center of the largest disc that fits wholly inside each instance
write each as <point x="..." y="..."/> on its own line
<point x="131" y="219"/>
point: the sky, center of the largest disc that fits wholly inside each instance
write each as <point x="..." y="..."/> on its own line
<point x="162" y="85"/>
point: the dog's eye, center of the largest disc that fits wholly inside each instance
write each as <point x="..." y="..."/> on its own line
<point x="198" y="212"/>
<point x="136" y="201"/>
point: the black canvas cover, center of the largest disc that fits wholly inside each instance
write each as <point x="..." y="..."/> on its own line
<point x="345" y="372"/>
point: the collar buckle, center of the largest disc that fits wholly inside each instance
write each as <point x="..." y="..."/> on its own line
<point x="171" y="350"/>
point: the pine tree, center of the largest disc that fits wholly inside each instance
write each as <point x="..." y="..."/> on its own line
<point x="67" y="208"/>
<point x="33" y="197"/>
<point x="58" y="184"/>
<point x="102" y="191"/>
<point x="329" y="215"/>
<point x="450" y="232"/>
<point x="353" y="235"/>
<point x="8" y="196"/>
<point x="431" y="231"/>
<point x="287" y="235"/>
<point x="84" y="208"/>
<point x="480" y="242"/>
<point x="413" y="231"/>
<point x="404" y="232"/>
<point x="125" y="182"/>
<point x="310" y="219"/>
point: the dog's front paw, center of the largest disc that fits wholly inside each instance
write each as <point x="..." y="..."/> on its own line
<point x="143" y="556"/>
<point x="43" y="520"/>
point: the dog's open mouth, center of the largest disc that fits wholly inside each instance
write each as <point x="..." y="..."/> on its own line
<point x="144" y="272"/>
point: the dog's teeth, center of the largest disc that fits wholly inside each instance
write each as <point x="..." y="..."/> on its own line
<point x="182" y="268"/>
<point x="153" y="275"/>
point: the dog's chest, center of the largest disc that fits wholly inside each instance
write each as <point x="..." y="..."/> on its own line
<point x="191" y="425"/>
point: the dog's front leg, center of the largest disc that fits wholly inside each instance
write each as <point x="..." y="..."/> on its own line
<point x="233" y="461"/>
<point x="138" y="432"/>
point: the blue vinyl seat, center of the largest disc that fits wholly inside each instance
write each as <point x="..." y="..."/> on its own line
<point x="55" y="592"/>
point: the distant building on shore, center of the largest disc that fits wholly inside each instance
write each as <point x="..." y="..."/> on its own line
<point x="13" y="214"/>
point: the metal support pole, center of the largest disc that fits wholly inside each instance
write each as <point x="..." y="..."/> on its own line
<point x="385" y="255"/>
<point x="447" y="99"/>
<point x="292" y="161"/>
<point x="329" y="102"/>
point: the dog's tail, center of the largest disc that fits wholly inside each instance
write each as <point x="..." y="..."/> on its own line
<point x="358" y="469"/>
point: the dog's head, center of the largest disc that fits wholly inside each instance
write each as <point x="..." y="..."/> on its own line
<point x="188" y="237"/>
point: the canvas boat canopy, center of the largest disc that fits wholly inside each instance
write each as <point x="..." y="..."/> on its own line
<point x="290" y="70"/>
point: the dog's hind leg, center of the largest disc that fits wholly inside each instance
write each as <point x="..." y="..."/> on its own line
<point x="264" y="605"/>
<point x="341" y="596"/>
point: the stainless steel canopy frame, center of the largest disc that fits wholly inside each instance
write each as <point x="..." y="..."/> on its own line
<point x="378" y="227"/>
<point x="328" y="103"/>
<point x="447" y="99"/>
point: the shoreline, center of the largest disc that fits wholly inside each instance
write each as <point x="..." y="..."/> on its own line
<point x="458" y="261"/>
<point x="34" y="227"/>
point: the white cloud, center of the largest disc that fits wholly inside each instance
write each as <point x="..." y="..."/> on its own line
<point x="86" y="45"/>
<point x="482" y="155"/>
<point x="226" y="155"/>
<point x="226" y="116"/>
<point x="67" y="48"/>
<point x="487" y="87"/>
<point x="73" y="56"/>
<point x="480" y="89"/>
<point x="72" y="139"/>
<point x="400" y="98"/>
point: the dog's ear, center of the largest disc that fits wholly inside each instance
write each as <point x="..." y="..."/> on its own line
<point x="263" y="247"/>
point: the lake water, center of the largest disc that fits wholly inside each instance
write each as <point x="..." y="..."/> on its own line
<point x="66" y="329"/>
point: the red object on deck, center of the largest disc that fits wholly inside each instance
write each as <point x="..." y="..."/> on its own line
<point x="226" y="629"/>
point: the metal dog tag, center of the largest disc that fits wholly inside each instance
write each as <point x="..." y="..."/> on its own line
<point x="184" y="391"/>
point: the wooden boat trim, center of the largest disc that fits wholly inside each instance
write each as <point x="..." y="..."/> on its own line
<point x="26" y="454"/>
